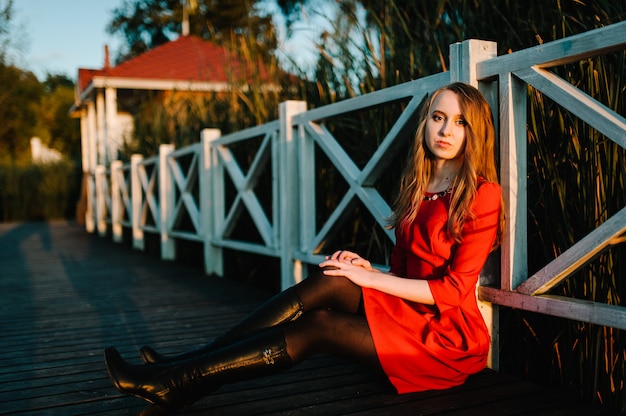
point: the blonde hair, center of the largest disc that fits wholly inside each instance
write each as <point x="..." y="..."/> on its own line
<point x="478" y="162"/>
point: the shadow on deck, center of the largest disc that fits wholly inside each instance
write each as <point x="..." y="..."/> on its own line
<point x="66" y="295"/>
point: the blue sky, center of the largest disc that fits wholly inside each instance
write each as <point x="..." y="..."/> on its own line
<point x="59" y="36"/>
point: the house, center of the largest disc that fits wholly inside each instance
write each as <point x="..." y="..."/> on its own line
<point x="102" y="102"/>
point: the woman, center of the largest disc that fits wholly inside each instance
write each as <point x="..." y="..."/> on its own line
<point x="418" y="324"/>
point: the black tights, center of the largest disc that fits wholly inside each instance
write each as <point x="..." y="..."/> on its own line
<point x="331" y="322"/>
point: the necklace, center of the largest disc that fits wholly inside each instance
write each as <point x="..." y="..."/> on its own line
<point x="437" y="195"/>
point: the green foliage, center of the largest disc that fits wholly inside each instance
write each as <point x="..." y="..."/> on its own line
<point x="55" y="126"/>
<point x="20" y="95"/>
<point x="29" y="108"/>
<point x="31" y="192"/>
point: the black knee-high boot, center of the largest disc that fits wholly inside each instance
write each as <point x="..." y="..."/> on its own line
<point x="283" y="307"/>
<point x="181" y="383"/>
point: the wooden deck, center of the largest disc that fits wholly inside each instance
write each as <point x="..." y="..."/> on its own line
<point x="66" y="295"/>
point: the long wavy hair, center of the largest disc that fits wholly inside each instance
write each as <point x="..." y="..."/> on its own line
<point x="478" y="162"/>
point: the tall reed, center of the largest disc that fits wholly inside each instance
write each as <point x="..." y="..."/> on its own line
<point x="577" y="180"/>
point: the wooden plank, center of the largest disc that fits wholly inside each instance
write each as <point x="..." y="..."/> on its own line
<point x="260" y="130"/>
<point x="419" y="87"/>
<point x="559" y="52"/>
<point x="563" y="307"/>
<point x="513" y="171"/>
<point x="597" y="115"/>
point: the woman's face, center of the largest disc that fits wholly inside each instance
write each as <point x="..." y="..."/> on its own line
<point x="445" y="127"/>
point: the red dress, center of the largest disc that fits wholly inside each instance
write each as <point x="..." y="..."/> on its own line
<point x="424" y="347"/>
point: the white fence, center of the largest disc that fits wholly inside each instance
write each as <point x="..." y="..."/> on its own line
<point x="187" y="186"/>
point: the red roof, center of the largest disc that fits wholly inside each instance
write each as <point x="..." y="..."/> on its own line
<point x="86" y="75"/>
<point x="188" y="58"/>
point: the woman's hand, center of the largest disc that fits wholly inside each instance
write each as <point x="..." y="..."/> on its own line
<point x="348" y="256"/>
<point x="351" y="266"/>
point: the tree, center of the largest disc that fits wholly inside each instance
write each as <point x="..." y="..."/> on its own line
<point x="146" y="24"/>
<point x="56" y="128"/>
<point x="13" y="37"/>
<point x="20" y="95"/>
<point x="6" y="12"/>
<point x="29" y="108"/>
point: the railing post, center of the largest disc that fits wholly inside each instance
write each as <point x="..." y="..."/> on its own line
<point x="116" y="202"/>
<point x="136" y="201"/>
<point x="101" y="200"/>
<point x="90" y="224"/>
<point x="513" y="171"/>
<point x="101" y="128"/>
<point x="211" y="204"/>
<point x="465" y="55"/>
<point x="166" y="203"/>
<point x="290" y="270"/>
<point x="463" y="59"/>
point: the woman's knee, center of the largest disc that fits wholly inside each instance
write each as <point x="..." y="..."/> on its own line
<point x="338" y="282"/>
<point x="322" y="325"/>
<point x="334" y="292"/>
<point x="317" y="319"/>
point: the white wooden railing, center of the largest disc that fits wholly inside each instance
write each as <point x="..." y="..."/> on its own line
<point x="188" y="186"/>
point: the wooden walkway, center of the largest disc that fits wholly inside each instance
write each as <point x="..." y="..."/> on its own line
<point x="66" y="295"/>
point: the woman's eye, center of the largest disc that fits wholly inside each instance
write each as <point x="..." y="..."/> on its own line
<point x="437" y="117"/>
<point x="461" y="122"/>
